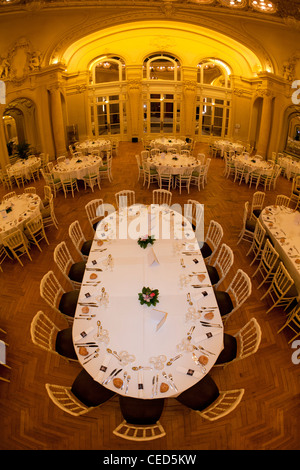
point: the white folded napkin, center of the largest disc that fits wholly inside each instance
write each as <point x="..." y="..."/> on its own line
<point x="99" y="377"/>
<point x="207" y="335"/>
<point x="191" y="372"/>
<point x="84" y="333"/>
<point x="140" y="384"/>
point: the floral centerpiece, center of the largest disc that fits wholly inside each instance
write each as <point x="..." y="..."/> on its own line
<point x="148" y="296"/>
<point x="145" y="241"/>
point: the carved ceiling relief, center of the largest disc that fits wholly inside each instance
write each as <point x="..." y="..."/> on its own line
<point x="19" y="62"/>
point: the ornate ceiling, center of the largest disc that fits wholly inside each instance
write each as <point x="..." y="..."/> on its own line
<point x="276" y="8"/>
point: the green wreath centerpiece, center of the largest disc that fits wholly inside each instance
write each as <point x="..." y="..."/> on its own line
<point x="148" y="296"/>
<point x="145" y="241"/>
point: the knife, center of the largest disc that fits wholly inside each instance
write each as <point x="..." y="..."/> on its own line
<point x="104" y="381"/>
<point x="195" y="359"/>
<point x="112" y="376"/>
<point x="153" y="385"/>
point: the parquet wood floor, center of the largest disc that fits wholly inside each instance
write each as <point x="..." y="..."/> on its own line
<point x="267" y="417"/>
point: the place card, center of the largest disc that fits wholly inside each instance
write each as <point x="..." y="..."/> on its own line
<point x="140" y="384"/>
<point x="208" y="335"/>
<point x="190" y="372"/>
<point x="103" y="368"/>
<point x="84" y="333"/>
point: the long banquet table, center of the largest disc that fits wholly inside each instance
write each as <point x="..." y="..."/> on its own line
<point x="283" y="226"/>
<point x="147" y="346"/>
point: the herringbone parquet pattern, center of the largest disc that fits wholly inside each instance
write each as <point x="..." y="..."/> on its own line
<point x="267" y="416"/>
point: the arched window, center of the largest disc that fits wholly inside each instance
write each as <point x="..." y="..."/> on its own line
<point x="161" y="67"/>
<point x="107" y="69"/>
<point x="214" y="72"/>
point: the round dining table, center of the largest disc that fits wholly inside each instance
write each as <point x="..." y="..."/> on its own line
<point x="164" y="143"/>
<point x="88" y="145"/>
<point x="77" y="167"/>
<point x="24" y="167"/>
<point x="176" y="163"/>
<point x="252" y="164"/>
<point x="140" y="350"/>
<point x="282" y="224"/>
<point x="226" y="145"/>
<point x="16" y="211"/>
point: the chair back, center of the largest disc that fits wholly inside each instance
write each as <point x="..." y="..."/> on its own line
<point x="9" y="195"/>
<point x="15" y="240"/>
<point x="65" y="400"/>
<point x="282" y="200"/>
<point x="223" y="405"/>
<point x="125" y="198"/>
<point x="239" y="289"/>
<point x="30" y="190"/>
<point x="63" y="259"/>
<point x="94" y="210"/>
<point x="223" y="262"/>
<point x="282" y="281"/>
<point x="258" y="200"/>
<point x="162" y="196"/>
<point x="51" y="290"/>
<point x="248" y="339"/>
<point x="35" y="224"/>
<point x="213" y="236"/>
<point x="77" y="236"/>
<point x="43" y="331"/>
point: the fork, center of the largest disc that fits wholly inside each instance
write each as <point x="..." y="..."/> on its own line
<point x="128" y="378"/>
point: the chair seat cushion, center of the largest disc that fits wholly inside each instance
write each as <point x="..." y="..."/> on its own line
<point x="46" y="212"/>
<point x="103" y="168"/>
<point x="68" y="302"/>
<point x="88" y="391"/>
<point x="77" y="271"/>
<point x="200" y="395"/>
<point x="213" y="274"/>
<point x="206" y="250"/>
<point x="195" y="173"/>
<point x="86" y="247"/>
<point x="224" y="302"/>
<point x="250" y="225"/>
<point x="64" y="344"/>
<point x="138" y="411"/>
<point x="257" y="212"/>
<point x="230" y="350"/>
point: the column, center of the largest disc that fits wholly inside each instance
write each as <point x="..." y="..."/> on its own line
<point x="265" y="124"/>
<point x="189" y="101"/>
<point x="4" y="157"/>
<point x="57" y="120"/>
<point x="134" y="97"/>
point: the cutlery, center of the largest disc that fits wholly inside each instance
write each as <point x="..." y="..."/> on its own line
<point x="188" y="296"/>
<point x="168" y="380"/>
<point x="114" y="353"/>
<point x="128" y="378"/>
<point x="103" y="249"/>
<point x="182" y="263"/>
<point x="195" y="359"/>
<point x="123" y="385"/>
<point x="198" y="272"/>
<point x="153" y="385"/>
<point x="215" y="325"/>
<point x="190" y="332"/>
<point x="202" y="349"/>
<point x="104" y="381"/>
<point x="88" y="304"/>
<point x="170" y="362"/>
<point x="82" y="318"/>
<point x="112" y="376"/>
<point x="172" y="380"/>
<point x="197" y="286"/>
<point x="94" y="354"/>
<point x="156" y="385"/>
<point x="141" y="367"/>
<point x="93" y="269"/>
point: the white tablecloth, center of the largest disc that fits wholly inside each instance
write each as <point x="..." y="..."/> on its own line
<point x="164" y="143"/>
<point x="77" y="167"/>
<point x="252" y="164"/>
<point x="23" y="208"/>
<point x="291" y="167"/>
<point x="88" y="145"/>
<point x="129" y="328"/>
<point x="176" y="163"/>
<point x="283" y="226"/>
<point x="226" y="145"/>
<point x="24" y="167"/>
